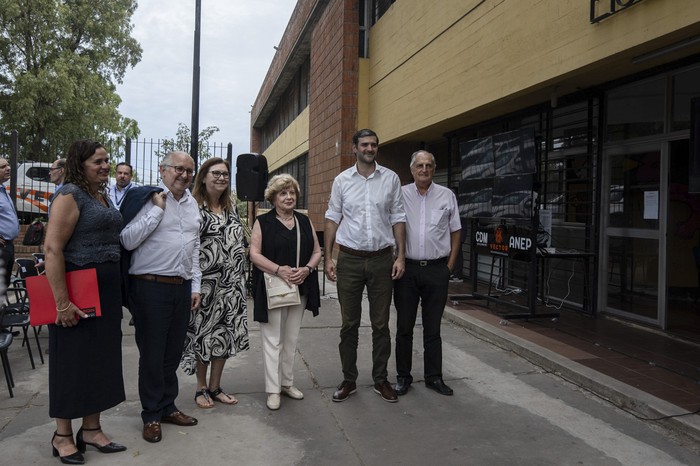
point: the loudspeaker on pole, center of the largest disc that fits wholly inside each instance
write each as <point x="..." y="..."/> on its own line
<point x="251" y="177"/>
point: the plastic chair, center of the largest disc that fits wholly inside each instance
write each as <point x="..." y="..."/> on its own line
<point x="16" y="314"/>
<point x="5" y="342"/>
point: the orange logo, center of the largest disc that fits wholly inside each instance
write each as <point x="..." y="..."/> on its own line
<point x="500" y="233"/>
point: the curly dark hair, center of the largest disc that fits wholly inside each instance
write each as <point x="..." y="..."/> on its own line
<point x="199" y="191"/>
<point x="78" y="153"/>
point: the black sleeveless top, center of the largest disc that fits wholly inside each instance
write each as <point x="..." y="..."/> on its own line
<point x="279" y="244"/>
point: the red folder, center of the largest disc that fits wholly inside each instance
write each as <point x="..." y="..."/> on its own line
<point x="82" y="291"/>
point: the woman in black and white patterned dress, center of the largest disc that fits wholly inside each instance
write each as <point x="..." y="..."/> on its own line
<point x="220" y="329"/>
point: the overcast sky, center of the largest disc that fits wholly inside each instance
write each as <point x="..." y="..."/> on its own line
<point x="237" y="39"/>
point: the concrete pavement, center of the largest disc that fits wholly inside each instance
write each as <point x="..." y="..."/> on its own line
<point x="506" y="410"/>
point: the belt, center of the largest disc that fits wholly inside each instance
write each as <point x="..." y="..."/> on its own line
<point x="442" y="260"/>
<point x="160" y="279"/>
<point x="355" y="252"/>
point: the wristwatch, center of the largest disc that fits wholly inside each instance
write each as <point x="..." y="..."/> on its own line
<point x="311" y="269"/>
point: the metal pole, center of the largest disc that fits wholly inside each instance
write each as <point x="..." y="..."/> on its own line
<point x="14" y="156"/>
<point x="127" y="151"/>
<point x="194" y="137"/>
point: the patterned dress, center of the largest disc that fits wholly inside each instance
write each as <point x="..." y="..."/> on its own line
<point x="220" y="328"/>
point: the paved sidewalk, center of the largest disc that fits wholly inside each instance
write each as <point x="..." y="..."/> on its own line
<point x="247" y="432"/>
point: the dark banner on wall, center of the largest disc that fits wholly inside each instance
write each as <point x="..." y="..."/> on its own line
<point x="694" y="175"/>
<point x="497" y="175"/>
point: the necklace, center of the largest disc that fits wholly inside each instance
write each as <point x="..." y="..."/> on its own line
<point x="284" y="219"/>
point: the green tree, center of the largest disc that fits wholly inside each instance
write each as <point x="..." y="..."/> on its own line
<point x="182" y="142"/>
<point x="60" y="61"/>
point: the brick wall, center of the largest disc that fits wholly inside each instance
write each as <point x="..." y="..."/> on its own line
<point x="333" y="101"/>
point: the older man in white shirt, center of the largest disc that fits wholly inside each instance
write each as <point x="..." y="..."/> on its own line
<point x="432" y="244"/>
<point x="164" y="285"/>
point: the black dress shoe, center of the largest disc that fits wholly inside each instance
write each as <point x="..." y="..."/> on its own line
<point x="81" y="444"/>
<point x="439" y="386"/>
<point x="402" y="386"/>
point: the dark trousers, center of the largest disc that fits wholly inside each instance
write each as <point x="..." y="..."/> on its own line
<point x="427" y="285"/>
<point x="161" y="313"/>
<point x="354" y="274"/>
<point x="459" y="263"/>
<point x="7" y="255"/>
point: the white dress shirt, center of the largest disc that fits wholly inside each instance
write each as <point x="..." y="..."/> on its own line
<point x="166" y="242"/>
<point x="368" y="208"/>
<point x="117" y="195"/>
<point x="430" y="219"/>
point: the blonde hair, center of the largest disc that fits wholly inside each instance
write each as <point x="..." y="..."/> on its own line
<point x="278" y="183"/>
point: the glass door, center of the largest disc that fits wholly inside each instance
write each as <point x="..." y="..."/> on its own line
<point x="632" y="204"/>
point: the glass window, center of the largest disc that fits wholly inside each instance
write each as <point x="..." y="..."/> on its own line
<point x="636" y="110"/>
<point x="685" y="87"/>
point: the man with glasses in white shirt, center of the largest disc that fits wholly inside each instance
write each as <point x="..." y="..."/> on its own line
<point x="164" y="285"/>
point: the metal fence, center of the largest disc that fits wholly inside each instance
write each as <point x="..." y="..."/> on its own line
<point x="30" y="181"/>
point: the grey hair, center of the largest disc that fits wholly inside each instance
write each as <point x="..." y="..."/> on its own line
<point x="415" y="154"/>
<point x="167" y="160"/>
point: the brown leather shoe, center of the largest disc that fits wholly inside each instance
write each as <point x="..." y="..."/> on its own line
<point x="152" y="432"/>
<point x="179" y="419"/>
<point x="386" y="391"/>
<point x="345" y="389"/>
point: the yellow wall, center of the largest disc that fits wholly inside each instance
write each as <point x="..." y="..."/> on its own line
<point x="292" y="143"/>
<point x="363" y="94"/>
<point x="473" y="60"/>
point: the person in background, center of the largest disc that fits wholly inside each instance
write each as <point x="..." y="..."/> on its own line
<point x="164" y="284"/>
<point x="273" y="249"/>
<point x="57" y="175"/>
<point x="123" y="174"/>
<point x="9" y="224"/>
<point x="432" y="244"/>
<point x="85" y="355"/>
<point x="220" y="329"/>
<point x="366" y="213"/>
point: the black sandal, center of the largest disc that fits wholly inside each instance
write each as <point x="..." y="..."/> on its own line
<point x="205" y="394"/>
<point x="219" y="391"/>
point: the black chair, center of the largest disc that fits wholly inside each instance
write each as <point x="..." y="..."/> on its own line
<point x="25" y="268"/>
<point x="16" y="314"/>
<point x="38" y="257"/>
<point x="5" y="342"/>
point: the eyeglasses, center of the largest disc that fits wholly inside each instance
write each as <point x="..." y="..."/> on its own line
<point x="56" y="168"/>
<point x="180" y="170"/>
<point x="217" y="174"/>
